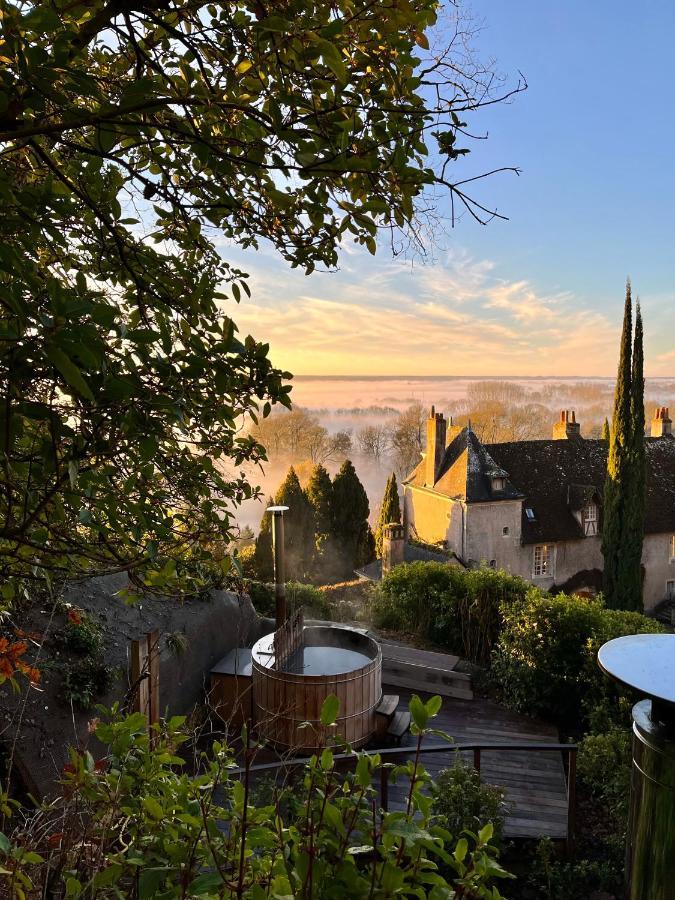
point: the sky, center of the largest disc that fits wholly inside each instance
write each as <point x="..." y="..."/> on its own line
<point x="541" y="293"/>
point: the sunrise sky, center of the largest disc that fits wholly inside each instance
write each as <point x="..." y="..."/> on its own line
<point x="542" y="293"/>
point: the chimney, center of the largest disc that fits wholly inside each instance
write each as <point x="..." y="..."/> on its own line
<point x="662" y="425"/>
<point x="567" y="427"/>
<point x="393" y="543"/>
<point x="436" y="426"/>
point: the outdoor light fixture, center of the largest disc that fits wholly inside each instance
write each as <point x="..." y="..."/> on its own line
<point x="646" y="663"/>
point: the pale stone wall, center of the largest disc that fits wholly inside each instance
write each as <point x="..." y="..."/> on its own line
<point x="437" y="518"/>
<point x="433" y="517"/>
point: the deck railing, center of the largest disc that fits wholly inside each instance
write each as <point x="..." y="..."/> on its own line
<point x="478" y="749"/>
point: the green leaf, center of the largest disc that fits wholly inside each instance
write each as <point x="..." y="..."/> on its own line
<point x="433" y="706"/>
<point x="418" y="712"/>
<point x="153" y="808"/>
<point x="150" y="880"/>
<point x="333" y="59"/>
<point x="461" y="850"/>
<point x="330" y="710"/>
<point x="69" y="370"/>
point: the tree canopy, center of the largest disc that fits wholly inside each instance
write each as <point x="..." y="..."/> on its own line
<point x="132" y="135"/>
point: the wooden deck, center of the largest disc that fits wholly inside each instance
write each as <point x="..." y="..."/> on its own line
<point x="535" y="781"/>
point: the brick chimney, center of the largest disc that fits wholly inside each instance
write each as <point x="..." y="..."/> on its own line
<point x="436" y="427"/>
<point x="567" y="427"/>
<point x="393" y="544"/>
<point x="662" y="424"/>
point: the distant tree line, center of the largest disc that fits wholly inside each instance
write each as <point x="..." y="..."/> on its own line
<point x="327" y="535"/>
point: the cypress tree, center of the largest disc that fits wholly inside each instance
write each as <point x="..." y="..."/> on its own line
<point x="605" y="431"/>
<point x="390" y="511"/>
<point x="298" y="532"/>
<point x="620" y="504"/>
<point x="349" y="520"/>
<point x="635" y="518"/>
<point x="263" y="561"/>
<point x="319" y="494"/>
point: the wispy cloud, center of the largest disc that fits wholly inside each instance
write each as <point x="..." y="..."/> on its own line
<point x="380" y="316"/>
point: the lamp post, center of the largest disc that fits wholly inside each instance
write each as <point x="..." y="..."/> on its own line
<point x="646" y="663"/>
<point x="279" y="562"/>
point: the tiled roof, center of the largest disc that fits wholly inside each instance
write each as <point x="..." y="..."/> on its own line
<point x="466" y="472"/>
<point x="557" y="475"/>
<point x="412" y="553"/>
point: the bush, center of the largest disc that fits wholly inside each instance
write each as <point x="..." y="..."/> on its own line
<point x="85" y="681"/>
<point x="298" y="595"/>
<point x="82" y="636"/>
<point x="545" y="662"/>
<point x="457" y="609"/>
<point x="554" y="879"/>
<point x="151" y="827"/>
<point x="463" y="802"/>
<point x="604" y="769"/>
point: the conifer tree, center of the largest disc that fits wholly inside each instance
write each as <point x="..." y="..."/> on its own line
<point x="390" y="511"/>
<point x="298" y="532"/>
<point x="605" y="431"/>
<point x="623" y="512"/>
<point x="349" y="521"/>
<point x="319" y="493"/>
<point x="634" y="523"/>
<point x="263" y="561"/>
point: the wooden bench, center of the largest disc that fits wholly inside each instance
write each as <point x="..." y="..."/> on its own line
<point x="399" y="725"/>
<point x="384" y="713"/>
<point x="424" y="671"/>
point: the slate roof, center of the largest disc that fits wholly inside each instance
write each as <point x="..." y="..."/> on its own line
<point x="466" y="472"/>
<point x="556" y="476"/>
<point x="411" y="553"/>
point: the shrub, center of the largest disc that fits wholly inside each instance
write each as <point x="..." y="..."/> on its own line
<point x="604" y="768"/>
<point x="455" y="608"/>
<point x="545" y="662"/>
<point x="153" y="828"/>
<point x="554" y="879"/>
<point x="298" y="595"/>
<point x="463" y="802"/>
<point x="85" y="681"/>
<point x="81" y="635"/>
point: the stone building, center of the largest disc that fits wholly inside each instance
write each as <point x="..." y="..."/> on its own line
<point x="534" y="508"/>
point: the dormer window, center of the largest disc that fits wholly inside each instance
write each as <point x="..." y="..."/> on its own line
<point x="498" y="483"/>
<point x="529" y="512"/>
<point x="589" y="518"/>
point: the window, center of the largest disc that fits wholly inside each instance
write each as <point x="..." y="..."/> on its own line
<point x="493" y="563"/>
<point x="529" y="512"/>
<point x="672" y="548"/>
<point x="505" y="531"/>
<point x="498" y="484"/>
<point x="670" y="590"/>
<point x="590" y="519"/>
<point x="543" y="561"/>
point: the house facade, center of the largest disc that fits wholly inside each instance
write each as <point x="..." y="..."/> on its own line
<point x="534" y="508"/>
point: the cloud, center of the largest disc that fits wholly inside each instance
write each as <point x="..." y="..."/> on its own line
<point x="457" y="317"/>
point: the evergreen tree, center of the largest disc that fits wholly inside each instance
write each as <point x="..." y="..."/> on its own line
<point x="298" y="532"/>
<point x="319" y="493"/>
<point x="349" y="521"/>
<point x="263" y="561"/>
<point x="623" y="511"/>
<point x="390" y="511"/>
<point x="605" y="431"/>
<point x="635" y="518"/>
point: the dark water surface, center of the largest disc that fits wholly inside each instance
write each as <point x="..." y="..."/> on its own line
<point x="325" y="661"/>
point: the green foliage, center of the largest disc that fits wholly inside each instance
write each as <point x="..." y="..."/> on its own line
<point x="624" y="493"/>
<point x="464" y="802"/>
<point x="390" y="511"/>
<point x="545" y="661"/>
<point x="350" y="531"/>
<point x="81" y="635"/>
<point x="85" y="681"/>
<point x="320" y="496"/>
<point x="155" y="829"/>
<point x="130" y="133"/>
<point x="605" y="431"/>
<point x="553" y="879"/>
<point x="604" y="768"/>
<point x="455" y="608"/>
<point x="298" y="596"/>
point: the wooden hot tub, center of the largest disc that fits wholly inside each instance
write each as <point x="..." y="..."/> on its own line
<point x="296" y="668"/>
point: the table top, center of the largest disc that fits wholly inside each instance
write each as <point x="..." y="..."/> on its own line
<point x="645" y="662"/>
